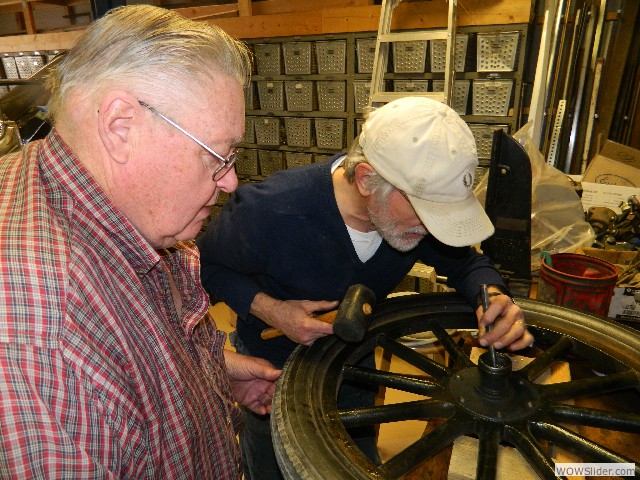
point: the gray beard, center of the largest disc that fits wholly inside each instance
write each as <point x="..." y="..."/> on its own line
<point x="388" y="229"/>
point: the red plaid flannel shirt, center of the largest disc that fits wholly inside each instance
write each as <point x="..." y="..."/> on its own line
<point x="99" y="377"/>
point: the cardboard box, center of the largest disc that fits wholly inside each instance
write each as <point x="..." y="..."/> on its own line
<point x="615" y="164"/>
<point x="625" y="302"/>
<point x="616" y="257"/>
<point x="613" y="175"/>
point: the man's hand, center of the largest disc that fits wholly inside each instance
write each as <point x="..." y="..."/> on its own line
<point x="252" y="381"/>
<point x="509" y="329"/>
<point x="294" y="318"/>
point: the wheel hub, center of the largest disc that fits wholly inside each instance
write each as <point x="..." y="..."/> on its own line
<point x="494" y="392"/>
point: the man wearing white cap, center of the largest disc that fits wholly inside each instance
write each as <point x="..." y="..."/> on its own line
<point x="288" y="248"/>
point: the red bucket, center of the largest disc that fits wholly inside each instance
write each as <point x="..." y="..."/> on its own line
<point x="578" y="281"/>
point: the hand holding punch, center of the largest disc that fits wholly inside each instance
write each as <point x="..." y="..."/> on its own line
<point x="485" y="305"/>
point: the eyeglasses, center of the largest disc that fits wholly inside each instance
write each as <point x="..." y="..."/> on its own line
<point x="225" y="164"/>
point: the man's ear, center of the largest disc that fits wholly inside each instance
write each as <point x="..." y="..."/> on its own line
<point x="362" y="172"/>
<point x="119" y="112"/>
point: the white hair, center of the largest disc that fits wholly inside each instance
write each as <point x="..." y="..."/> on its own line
<point x="147" y="50"/>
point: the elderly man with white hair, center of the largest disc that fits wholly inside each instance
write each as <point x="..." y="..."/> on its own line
<point x="109" y="364"/>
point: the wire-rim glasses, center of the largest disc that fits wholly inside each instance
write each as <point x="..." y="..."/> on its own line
<point x="225" y="164"/>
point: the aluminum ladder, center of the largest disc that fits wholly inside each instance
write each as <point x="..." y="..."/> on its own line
<point x="384" y="40"/>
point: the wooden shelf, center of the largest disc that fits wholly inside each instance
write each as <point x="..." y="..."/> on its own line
<point x="24" y="11"/>
<point x="278" y="18"/>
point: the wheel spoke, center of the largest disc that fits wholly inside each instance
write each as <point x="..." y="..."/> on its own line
<point x="412" y="357"/>
<point x="578" y="444"/>
<point x="530" y="449"/>
<point x="398" y="381"/>
<point x="397" y="412"/>
<point x="542" y="362"/>
<point x="426" y="446"/>
<point x="623" y="422"/>
<point x="455" y="352"/>
<point x="488" y="455"/>
<point x="589" y="386"/>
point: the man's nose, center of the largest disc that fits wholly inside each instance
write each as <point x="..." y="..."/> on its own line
<point x="229" y="182"/>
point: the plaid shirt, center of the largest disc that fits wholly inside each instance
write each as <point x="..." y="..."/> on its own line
<point x="99" y="376"/>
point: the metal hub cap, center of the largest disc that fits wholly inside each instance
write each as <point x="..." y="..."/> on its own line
<point x="494" y="392"/>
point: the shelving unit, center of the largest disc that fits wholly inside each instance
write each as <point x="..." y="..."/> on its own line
<point x="300" y="103"/>
<point x="303" y="87"/>
<point x="324" y="97"/>
<point x="17" y="66"/>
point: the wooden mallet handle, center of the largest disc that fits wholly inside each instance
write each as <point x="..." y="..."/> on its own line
<point x="269" y="333"/>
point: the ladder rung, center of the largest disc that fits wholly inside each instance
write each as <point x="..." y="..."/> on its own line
<point x="385" y="97"/>
<point x="386" y="37"/>
<point x="413" y="36"/>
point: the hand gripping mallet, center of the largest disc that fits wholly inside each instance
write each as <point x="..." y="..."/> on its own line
<point x="352" y="318"/>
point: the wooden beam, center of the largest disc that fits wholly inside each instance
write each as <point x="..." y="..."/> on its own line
<point x="419" y="15"/>
<point x="43" y="41"/>
<point x="44" y="4"/>
<point x="270" y="7"/>
<point x="206" y="12"/>
<point x="332" y="19"/>
<point x="24" y="11"/>
<point x="15" y="6"/>
<point x="29" y="21"/>
<point x="230" y="12"/>
<point x="244" y="8"/>
<point x="256" y="26"/>
<point x="10" y="7"/>
<point x="475" y="12"/>
<point x="273" y="7"/>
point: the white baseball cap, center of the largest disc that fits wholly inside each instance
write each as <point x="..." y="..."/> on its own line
<point x="423" y="148"/>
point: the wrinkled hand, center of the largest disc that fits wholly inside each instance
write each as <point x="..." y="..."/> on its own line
<point x="294" y="318"/>
<point x="509" y="328"/>
<point x="252" y="381"/>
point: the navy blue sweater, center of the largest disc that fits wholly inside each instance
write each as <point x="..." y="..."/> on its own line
<point x="285" y="237"/>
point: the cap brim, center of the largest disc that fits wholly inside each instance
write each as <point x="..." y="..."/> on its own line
<point x="458" y="224"/>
